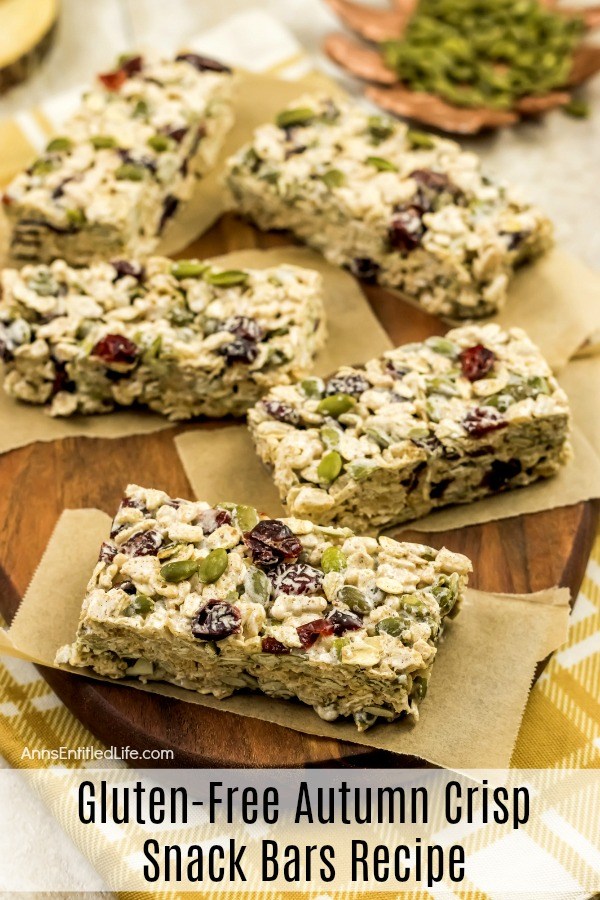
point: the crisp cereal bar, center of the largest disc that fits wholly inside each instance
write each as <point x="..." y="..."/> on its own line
<point x="127" y="158"/>
<point x="219" y="599"/>
<point x="400" y="207"/>
<point x="449" y="420"/>
<point x="185" y="338"/>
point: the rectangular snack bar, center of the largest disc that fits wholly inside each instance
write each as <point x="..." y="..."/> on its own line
<point x="184" y="338"/>
<point x="449" y="420"/>
<point x="400" y="207"/>
<point x="127" y="158"/>
<point x="219" y="599"/>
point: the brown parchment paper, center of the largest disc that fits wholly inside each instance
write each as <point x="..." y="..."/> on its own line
<point x="469" y="719"/>
<point x="222" y="464"/>
<point x="354" y="333"/>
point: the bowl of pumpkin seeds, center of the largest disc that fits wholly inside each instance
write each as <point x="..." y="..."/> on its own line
<point x="466" y="65"/>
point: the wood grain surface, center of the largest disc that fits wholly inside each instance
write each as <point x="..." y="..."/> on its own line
<point x="522" y="554"/>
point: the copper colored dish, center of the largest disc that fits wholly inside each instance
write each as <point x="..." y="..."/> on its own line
<point x="365" y="62"/>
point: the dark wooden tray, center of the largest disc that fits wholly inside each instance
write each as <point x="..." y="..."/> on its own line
<point x="521" y="554"/>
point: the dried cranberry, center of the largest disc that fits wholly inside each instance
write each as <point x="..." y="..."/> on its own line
<point x="123" y="267"/>
<point x="202" y="63"/>
<point x="365" y="268"/>
<point x="146" y="543"/>
<point x="344" y="621"/>
<point x="476" y="362"/>
<point x="216" y="621"/>
<point x="406" y="229"/>
<point x="107" y="552"/>
<point x="299" y="578"/>
<point x="271" y="542"/>
<point x="310" y="632"/>
<point x="211" y="519"/>
<point x="169" y="209"/>
<point x="113" y="81"/>
<point x="353" y="384"/>
<point x="272" y="645"/>
<point x="61" y="382"/>
<point x="438" y="489"/>
<point x="245" y="328"/>
<point x="115" y="349"/>
<point x="281" y="411"/>
<point x="128" y="586"/>
<point x="501" y="472"/>
<point x="480" y="421"/>
<point x="132" y="65"/>
<point x="431" y="186"/>
<point x="7" y="200"/>
<point x="177" y="134"/>
<point x="239" y="351"/>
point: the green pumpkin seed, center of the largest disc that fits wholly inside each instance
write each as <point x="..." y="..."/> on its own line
<point x="43" y="167"/>
<point x="381" y="439"/>
<point x="354" y="599"/>
<point x="333" y="178"/>
<point x="578" y="109"/>
<point x="336" y="405"/>
<point x="419" y="688"/>
<point x="151" y="353"/>
<point x="333" y="560"/>
<point x="160" y="143"/>
<point x="414" y="605"/>
<point x="445" y="592"/>
<point x="59" y="145"/>
<point x="75" y="218"/>
<point x="181" y="315"/>
<point x="103" y="142"/>
<point x="380" y="129"/>
<point x="338" y="645"/>
<point x="382" y="165"/>
<point x="362" y="469"/>
<point x="247" y="517"/>
<point x="188" y="268"/>
<point x="443" y="346"/>
<point x="141" y="109"/>
<point x="330" y="467"/>
<point x="130" y="172"/>
<point x="141" y="605"/>
<point x="212" y="566"/>
<point x="230" y="278"/>
<point x="419" y="140"/>
<point x="330" y="436"/>
<point x="392" y="626"/>
<point x="257" y="585"/>
<point x="312" y="387"/>
<point x="170" y="550"/>
<point x="301" y="115"/>
<point x="180" y="570"/>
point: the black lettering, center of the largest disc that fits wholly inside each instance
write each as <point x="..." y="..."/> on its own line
<point x="360" y="850"/>
<point x="235" y="867"/>
<point x="381" y="862"/>
<point x="327" y="854"/>
<point x="501" y="811"/>
<point x="521" y="806"/>
<point x="270" y="866"/>
<point x="453" y="788"/>
<point x="456" y="863"/>
<point x="195" y="866"/>
<point x="303" y="807"/>
<point x="151" y="846"/>
<point x="216" y="855"/>
<point x="86" y="804"/>
<point x="175" y="851"/>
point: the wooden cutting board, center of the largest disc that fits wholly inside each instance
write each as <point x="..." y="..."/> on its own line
<point x="522" y="554"/>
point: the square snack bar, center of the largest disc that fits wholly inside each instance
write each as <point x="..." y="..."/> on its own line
<point x="406" y="209"/>
<point x="219" y="599"/>
<point x="185" y="338"/>
<point x="449" y="420"/>
<point x="127" y="158"/>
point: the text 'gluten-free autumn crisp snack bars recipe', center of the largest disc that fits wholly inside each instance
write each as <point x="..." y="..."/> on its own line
<point x="448" y="420"/>
<point x="404" y="208"/>
<point x="185" y="338"/>
<point x="109" y="184"/>
<point x="219" y="599"/>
